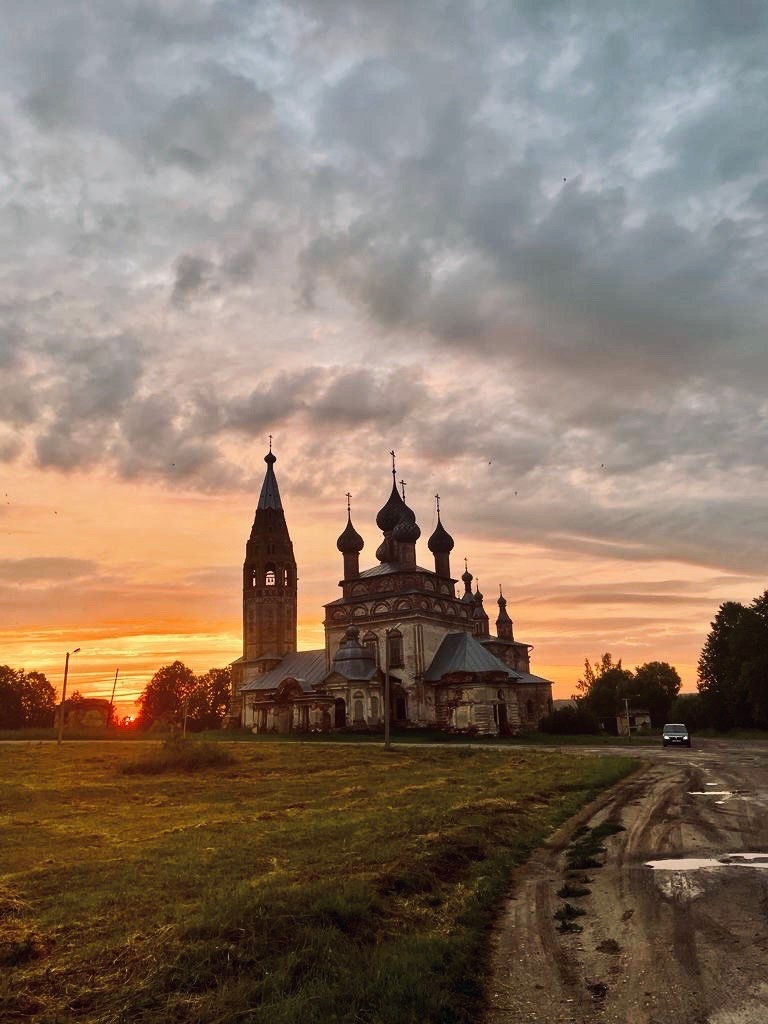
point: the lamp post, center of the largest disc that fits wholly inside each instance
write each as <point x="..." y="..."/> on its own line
<point x="64" y="694"/>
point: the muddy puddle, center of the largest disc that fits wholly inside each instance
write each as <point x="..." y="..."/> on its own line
<point x="725" y="860"/>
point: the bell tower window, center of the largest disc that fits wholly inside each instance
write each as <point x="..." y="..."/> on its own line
<point x="269" y="575"/>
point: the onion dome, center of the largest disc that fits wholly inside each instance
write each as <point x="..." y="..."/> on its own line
<point x="441" y="542"/>
<point x="478" y="595"/>
<point x="391" y="514"/>
<point x="467" y="577"/>
<point x="407" y="530"/>
<point x="350" y="541"/>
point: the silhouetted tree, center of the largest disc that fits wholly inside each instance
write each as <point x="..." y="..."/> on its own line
<point x="599" y="690"/>
<point x="733" y="667"/>
<point x="209" y="700"/>
<point x="162" y="699"/>
<point x="38" y="699"/>
<point x="26" y="699"/>
<point x="654" y="687"/>
<point x="11" y="704"/>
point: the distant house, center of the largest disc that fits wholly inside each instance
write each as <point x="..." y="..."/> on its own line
<point x="85" y="713"/>
<point x="639" y="721"/>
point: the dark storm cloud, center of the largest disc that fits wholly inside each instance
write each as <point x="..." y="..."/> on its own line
<point x="529" y="238"/>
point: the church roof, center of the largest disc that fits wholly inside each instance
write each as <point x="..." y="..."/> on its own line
<point x="270" y="495"/>
<point x="306" y="667"/>
<point x="461" y="652"/>
<point x="526" y="677"/>
<point x="387" y="568"/>
<point x="353" y="660"/>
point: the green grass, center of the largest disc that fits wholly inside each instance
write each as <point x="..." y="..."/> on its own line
<point x="299" y="883"/>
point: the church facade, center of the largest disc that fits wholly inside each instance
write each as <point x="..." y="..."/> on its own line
<point x="394" y="620"/>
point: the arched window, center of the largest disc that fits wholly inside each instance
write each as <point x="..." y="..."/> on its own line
<point x="269" y="575"/>
<point x="286" y="578"/>
<point x="371" y="641"/>
<point x="375" y="709"/>
<point x="253" y="578"/>
<point x="395" y="648"/>
<point x="358" y="709"/>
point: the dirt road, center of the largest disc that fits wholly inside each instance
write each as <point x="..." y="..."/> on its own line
<point x="674" y="945"/>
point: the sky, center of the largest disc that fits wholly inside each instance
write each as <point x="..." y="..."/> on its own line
<point x="522" y="243"/>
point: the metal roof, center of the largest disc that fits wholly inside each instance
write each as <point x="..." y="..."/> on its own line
<point x="306" y="667"/>
<point x="461" y="652"/>
<point x="387" y="568"/>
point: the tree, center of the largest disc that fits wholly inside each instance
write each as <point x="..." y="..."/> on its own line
<point x="38" y="699"/>
<point x="11" y="704"/>
<point x="654" y="686"/>
<point x="599" y="690"/>
<point x="209" y="700"/>
<point x="162" y="699"/>
<point x="733" y="667"/>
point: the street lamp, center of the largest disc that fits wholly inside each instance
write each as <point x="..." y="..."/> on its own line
<point x="64" y="695"/>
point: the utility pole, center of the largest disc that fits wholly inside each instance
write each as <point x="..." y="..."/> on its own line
<point x="626" y="708"/>
<point x="387" y="699"/>
<point x="112" y="700"/>
<point x="64" y="695"/>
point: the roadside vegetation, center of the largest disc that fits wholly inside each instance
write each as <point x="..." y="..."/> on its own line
<point x="298" y="883"/>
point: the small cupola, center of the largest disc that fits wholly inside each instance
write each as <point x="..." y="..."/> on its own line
<point x="479" y="615"/>
<point x="441" y="545"/>
<point x="350" y="544"/>
<point x="503" y="622"/>
<point x="467" y="578"/>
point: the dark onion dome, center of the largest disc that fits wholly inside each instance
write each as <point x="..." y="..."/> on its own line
<point x="350" y="540"/>
<point x="391" y="514"/>
<point x="478" y="595"/>
<point x="467" y="577"/>
<point x="407" y="530"/>
<point x="441" y="542"/>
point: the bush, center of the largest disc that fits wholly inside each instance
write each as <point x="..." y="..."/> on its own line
<point x="177" y="755"/>
<point x="569" y="721"/>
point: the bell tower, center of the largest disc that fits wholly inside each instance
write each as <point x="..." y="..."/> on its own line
<point x="269" y="579"/>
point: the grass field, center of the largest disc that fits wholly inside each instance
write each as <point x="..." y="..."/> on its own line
<point x="297" y="883"/>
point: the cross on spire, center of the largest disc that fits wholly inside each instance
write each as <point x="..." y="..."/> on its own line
<point x="402" y="488"/>
<point x="349" y="503"/>
<point x="437" y="504"/>
<point x="270" y="442"/>
<point x="394" y="471"/>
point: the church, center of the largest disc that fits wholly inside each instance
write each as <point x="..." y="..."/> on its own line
<point x="396" y="619"/>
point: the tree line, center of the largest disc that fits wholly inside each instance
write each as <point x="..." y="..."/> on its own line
<point x="604" y="688"/>
<point x="29" y="701"/>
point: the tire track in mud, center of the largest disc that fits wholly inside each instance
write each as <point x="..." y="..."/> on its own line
<point x="656" y="947"/>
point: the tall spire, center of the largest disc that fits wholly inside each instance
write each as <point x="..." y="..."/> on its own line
<point x="270" y="494"/>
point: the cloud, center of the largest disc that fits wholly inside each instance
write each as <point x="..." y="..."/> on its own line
<point x="528" y="242"/>
<point x="40" y="570"/>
